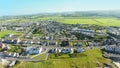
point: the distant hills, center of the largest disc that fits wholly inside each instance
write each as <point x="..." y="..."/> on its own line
<point x="112" y="13"/>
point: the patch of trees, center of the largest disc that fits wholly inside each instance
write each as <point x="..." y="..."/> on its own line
<point x="37" y="31"/>
<point x="65" y="43"/>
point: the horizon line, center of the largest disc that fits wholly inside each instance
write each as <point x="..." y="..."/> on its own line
<point x="56" y="12"/>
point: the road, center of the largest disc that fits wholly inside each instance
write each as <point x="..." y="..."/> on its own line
<point x="20" y="59"/>
<point x="112" y="55"/>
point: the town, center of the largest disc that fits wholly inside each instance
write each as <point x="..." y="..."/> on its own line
<point x="30" y="39"/>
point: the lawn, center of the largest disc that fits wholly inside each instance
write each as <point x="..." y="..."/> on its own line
<point x="89" y="59"/>
<point x="3" y="33"/>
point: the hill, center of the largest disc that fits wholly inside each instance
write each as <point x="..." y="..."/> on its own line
<point x="102" y="18"/>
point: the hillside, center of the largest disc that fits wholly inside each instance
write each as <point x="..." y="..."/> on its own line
<point x="102" y="18"/>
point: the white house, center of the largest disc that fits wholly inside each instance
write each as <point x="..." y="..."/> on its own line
<point x="34" y="50"/>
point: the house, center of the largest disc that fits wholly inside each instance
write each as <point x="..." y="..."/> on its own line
<point x="17" y="41"/>
<point x="2" y="45"/>
<point x="55" y="50"/>
<point x="8" y="35"/>
<point x="71" y="50"/>
<point x="112" y="48"/>
<point x="84" y="31"/>
<point x="90" y="44"/>
<point x="117" y="49"/>
<point x="53" y="43"/>
<point x="34" y="50"/>
<point x="65" y="43"/>
<point x="61" y="50"/>
<point x="3" y="28"/>
<point x="78" y="44"/>
<point x="9" y="41"/>
<point x="66" y="51"/>
<point x="29" y="42"/>
<point x="1" y="55"/>
<point x="5" y="47"/>
<point x="78" y="50"/>
<point x="12" y="63"/>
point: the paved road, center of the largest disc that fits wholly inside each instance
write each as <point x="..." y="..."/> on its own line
<point x="20" y="59"/>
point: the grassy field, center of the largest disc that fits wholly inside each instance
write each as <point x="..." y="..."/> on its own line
<point x="3" y="33"/>
<point x="89" y="59"/>
<point x="109" y="21"/>
<point x="95" y="21"/>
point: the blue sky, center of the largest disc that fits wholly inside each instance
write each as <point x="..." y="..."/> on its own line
<point x="20" y="7"/>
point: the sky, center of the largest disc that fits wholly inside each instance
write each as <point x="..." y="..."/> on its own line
<point x="21" y="7"/>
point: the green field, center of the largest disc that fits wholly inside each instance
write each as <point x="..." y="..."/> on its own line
<point x="95" y="21"/>
<point x="89" y="59"/>
<point x="3" y="33"/>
